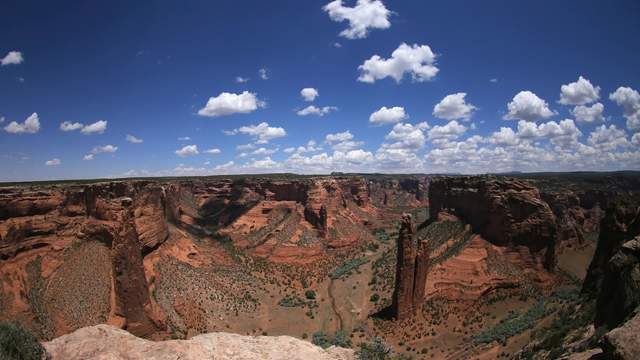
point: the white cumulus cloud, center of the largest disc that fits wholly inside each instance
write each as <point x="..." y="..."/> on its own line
<point x="505" y="137"/>
<point x="264" y="151"/>
<point x="12" y="58"/>
<point x="581" y="92"/>
<point x="134" y="140"/>
<point x="97" y="127"/>
<point x="53" y="162"/>
<point x="562" y="134"/>
<point x="213" y="151"/>
<point x="30" y="126"/>
<point x="367" y="14"/>
<point x="453" y="107"/>
<point x="527" y="106"/>
<point x="629" y="99"/>
<point x="69" y="126"/>
<point x="187" y="150"/>
<point x="339" y="137"/>
<point x="262" y="132"/>
<point x="451" y="130"/>
<point x="312" y="146"/>
<point x="342" y="141"/>
<point x="406" y="136"/>
<point x="230" y="103"/>
<point x="309" y="94"/>
<point x="104" y="149"/>
<point x="608" y="138"/>
<point x="417" y="60"/>
<point x="388" y="115"/>
<point x="314" y="110"/>
<point x="588" y="114"/>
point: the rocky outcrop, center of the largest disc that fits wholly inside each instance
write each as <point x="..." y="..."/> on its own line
<point x="150" y="218"/>
<point x="107" y="342"/>
<point x="507" y="212"/>
<point x="402" y="306"/>
<point x="620" y="292"/>
<point x="620" y="224"/>
<point x="411" y="271"/>
<point x="623" y="343"/>
<point x="130" y="286"/>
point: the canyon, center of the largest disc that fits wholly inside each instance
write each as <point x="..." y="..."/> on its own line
<point x="433" y="265"/>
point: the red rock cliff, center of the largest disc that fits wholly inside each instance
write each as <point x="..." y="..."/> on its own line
<point x="507" y="212"/>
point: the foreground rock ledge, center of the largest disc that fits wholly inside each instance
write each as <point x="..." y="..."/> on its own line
<point x="108" y="342"/>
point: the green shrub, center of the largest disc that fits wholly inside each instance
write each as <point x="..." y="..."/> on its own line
<point x="321" y="339"/>
<point x="324" y="341"/>
<point x="291" y="301"/>
<point x="347" y="267"/>
<point x="375" y="350"/>
<point x="513" y="324"/>
<point x="567" y="294"/>
<point x="16" y="342"/>
<point x="310" y="294"/>
<point x="374" y="298"/>
<point x="341" y="339"/>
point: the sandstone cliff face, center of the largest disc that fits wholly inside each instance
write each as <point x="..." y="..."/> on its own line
<point x="506" y="212"/>
<point x="149" y="218"/>
<point x="107" y="342"/>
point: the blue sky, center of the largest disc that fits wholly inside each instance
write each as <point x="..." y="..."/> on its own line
<point x="149" y="69"/>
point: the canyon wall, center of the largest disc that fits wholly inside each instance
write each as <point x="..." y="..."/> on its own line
<point x="506" y="212"/>
<point x="578" y="215"/>
<point x="75" y="255"/>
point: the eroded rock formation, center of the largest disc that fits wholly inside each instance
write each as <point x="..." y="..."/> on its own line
<point x="506" y="212"/>
<point x="411" y="271"/>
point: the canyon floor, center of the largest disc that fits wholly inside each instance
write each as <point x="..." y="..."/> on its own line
<point x="504" y="258"/>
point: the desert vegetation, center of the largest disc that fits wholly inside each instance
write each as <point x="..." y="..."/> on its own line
<point x="18" y="343"/>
